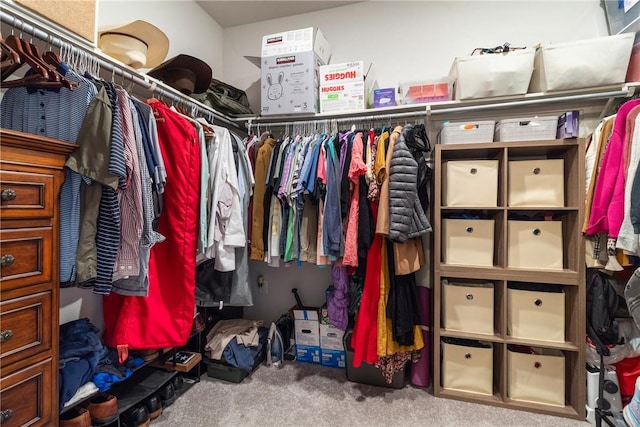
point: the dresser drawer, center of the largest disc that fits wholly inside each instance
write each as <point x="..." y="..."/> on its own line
<point x="26" y="257"/>
<point x="25" y="327"/>
<point x="26" y="195"/>
<point x="25" y="398"/>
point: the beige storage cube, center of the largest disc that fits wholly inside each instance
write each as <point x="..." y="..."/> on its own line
<point x="535" y="315"/>
<point x="537" y="378"/>
<point x="468" y="307"/>
<point x="468" y="241"/>
<point x="536" y="183"/>
<point x="470" y="183"/>
<point x="468" y="369"/>
<point x="534" y="244"/>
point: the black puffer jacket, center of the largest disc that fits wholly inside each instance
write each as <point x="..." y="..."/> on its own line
<point x="407" y="218"/>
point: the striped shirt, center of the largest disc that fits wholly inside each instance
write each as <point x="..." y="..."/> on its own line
<point x="55" y="114"/>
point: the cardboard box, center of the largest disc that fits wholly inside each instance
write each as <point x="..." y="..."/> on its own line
<point x="307" y="328"/>
<point x="331" y="346"/>
<point x="290" y="71"/>
<point x="569" y="125"/>
<point x="342" y="97"/>
<point x="341" y="73"/>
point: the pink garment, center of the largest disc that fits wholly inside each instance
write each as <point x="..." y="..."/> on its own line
<point x="607" y="209"/>
<point x="322" y="258"/>
<point x="356" y="168"/>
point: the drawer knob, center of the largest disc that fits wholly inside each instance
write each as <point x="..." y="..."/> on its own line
<point x="8" y="195"/>
<point x="7" y="260"/>
<point x="536" y="171"/>
<point x="6" y="335"/>
<point x="469" y="296"/>
<point x="6" y="415"/>
<point x="469" y="229"/>
<point x="473" y="171"/>
<point x="537" y="365"/>
<point x="467" y="355"/>
<point x="538" y="302"/>
<point x="536" y="232"/>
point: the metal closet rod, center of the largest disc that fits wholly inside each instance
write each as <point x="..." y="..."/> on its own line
<point x="328" y="120"/>
<point x="104" y="62"/>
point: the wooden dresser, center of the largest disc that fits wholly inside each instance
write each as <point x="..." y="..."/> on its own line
<point x="31" y="174"/>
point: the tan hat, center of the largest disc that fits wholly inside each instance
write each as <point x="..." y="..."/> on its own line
<point x="138" y="43"/>
<point x="185" y="73"/>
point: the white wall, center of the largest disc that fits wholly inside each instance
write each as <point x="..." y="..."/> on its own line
<point x="414" y="40"/>
<point x="189" y="29"/>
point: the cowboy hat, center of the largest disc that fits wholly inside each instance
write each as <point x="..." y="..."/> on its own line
<point x="185" y="73"/>
<point x="137" y="43"/>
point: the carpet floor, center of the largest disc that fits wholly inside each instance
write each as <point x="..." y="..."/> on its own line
<point x="302" y="394"/>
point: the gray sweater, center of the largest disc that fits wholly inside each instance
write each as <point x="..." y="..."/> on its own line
<point x="407" y="219"/>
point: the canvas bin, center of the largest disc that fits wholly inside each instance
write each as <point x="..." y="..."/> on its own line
<point x="470" y="183"/>
<point x="468" y="241"/>
<point x="535" y="315"/>
<point x="537" y="378"/>
<point x="581" y="64"/>
<point x="534" y="244"/>
<point x="467" y="307"/>
<point x="500" y="74"/>
<point x="536" y="183"/>
<point x="467" y="368"/>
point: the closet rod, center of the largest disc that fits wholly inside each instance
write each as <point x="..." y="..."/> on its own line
<point x="154" y="86"/>
<point x="328" y="120"/>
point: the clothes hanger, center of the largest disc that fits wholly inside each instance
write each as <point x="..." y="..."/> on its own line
<point x="16" y="43"/>
<point x="8" y="54"/>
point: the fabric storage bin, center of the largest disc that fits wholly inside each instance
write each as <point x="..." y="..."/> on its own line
<point x="470" y="183"/>
<point x="536" y="183"/>
<point x="583" y="63"/>
<point x="527" y="129"/>
<point x="535" y="314"/>
<point x="369" y="374"/>
<point x="467" y="307"/>
<point x="468" y="367"/>
<point x="537" y="378"/>
<point x="501" y="74"/>
<point x="468" y="132"/>
<point x="534" y="244"/>
<point x="468" y="241"/>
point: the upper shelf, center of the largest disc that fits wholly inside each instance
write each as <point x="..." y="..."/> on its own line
<point x="452" y="107"/>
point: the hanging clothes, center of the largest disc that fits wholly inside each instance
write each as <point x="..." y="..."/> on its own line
<point x="260" y="199"/>
<point x="357" y="168"/>
<point x="165" y="317"/>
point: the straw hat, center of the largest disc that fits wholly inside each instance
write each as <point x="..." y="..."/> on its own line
<point x="138" y="43"/>
<point x="185" y="73"/>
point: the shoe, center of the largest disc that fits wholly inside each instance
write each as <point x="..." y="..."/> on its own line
<point x="167" y="394"/>
<point x="177" y="382"/>
<point x="149" y="355"/>
<point x="76" y="417"/>
<point x="103" y="409"/>
<point x="138" y="416"/>
<point x="198" y="325"/>
<point x="631" y="412"/>
<point x="154" y="406"/>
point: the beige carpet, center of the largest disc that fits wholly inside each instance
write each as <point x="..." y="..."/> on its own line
<point x="301" y="394"/>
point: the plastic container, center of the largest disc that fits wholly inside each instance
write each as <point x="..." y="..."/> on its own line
<point x="467" y="132"/>
<point x="527" y="129"/>
<point x="427" y="91"/>
<point x="226" y="372"/>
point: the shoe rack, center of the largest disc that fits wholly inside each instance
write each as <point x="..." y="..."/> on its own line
<point x="569" y="277"/>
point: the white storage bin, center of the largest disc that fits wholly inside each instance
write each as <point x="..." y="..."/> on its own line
<point x="467" y="368"/>
<point x="468" y="307"/>
<point x="535" y="315"/>
<point x="468" y="241"/>
<point x="501" y="74"/>
<point x="527" y="129"/>
<point x="583" y="63"/>
<point x="534" y="244"/>
<point x="467" y="132"/>
<point x="470" y="183"/>
<point x="537" y="378"/>
<point x="536" y="183"/>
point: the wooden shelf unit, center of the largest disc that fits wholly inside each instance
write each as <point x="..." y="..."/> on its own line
<point x="571" y="278"/>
